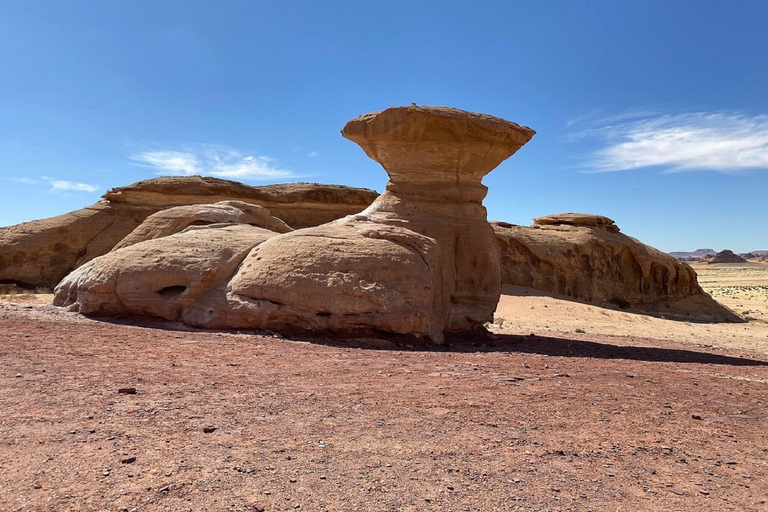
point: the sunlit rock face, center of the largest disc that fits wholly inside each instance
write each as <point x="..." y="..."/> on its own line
<point x="42" y="252"/>
<point x="421" y="260"/>
<point x="586" y="257"/>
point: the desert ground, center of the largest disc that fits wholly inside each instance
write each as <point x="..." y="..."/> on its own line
<point x="565" y="406"/>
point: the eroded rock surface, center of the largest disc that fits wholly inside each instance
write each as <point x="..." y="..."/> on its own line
<point x="174" y="220"/>
<point x="163" y="277"/>
<point x="42" y="252"/>
<point x="586" y="257"/>
<point x="420" y="260"/>
<point x="299" y="205"/>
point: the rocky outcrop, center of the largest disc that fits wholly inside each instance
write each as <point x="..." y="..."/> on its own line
<point x="586" y="257"/>
<point x="42" y="252"/>
<point x="176" y="219"/>
<point x="420" y="260"/>
<point x="726" y="256"/>
<point x="164" y="277"/>
<point x="299" y="205"/>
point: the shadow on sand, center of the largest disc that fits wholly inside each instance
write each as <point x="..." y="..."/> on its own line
<point x="479" y="341"/>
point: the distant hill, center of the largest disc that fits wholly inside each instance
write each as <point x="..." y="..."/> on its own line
<point x="727" y="256"/>
<point x="706" y="254"/>
<point x="698" y="253"/>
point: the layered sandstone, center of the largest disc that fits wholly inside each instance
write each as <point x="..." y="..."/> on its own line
<point x="299" y="205"/>
<point x="176" y="219"/>
<point x="587" y="258"/>
<point x="42" y="252"/>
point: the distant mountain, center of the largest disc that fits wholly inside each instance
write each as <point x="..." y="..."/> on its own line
<point x="698" y="253"/>
<point x="706" y="254"/>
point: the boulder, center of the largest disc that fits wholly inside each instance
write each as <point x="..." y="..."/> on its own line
<point x="176" y="219"/>
<point x="162" y="277"/>
<point x="42" y="252"/>
<point x="726" y="256"/>
<point x="586" y="257"/>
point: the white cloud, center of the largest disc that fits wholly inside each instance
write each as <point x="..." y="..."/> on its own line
<point x="63" y="185"/>
<point x="313" y="154"/>
<point x="171" y="162"/>
<point x="716" y="141"/>
<point x="57" y="185"/>
<point x="218" y="161"/>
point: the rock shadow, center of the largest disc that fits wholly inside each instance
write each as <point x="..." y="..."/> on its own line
<point x="479" y="341"/>
<point x="564" y="347"/>
<point x="696" y="308"/>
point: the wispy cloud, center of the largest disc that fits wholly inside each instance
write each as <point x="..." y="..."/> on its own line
<point x="711" y="141"/>
<point x="57" y="185"/>
<point x="212" y="160"/>
<point x="63" y="185"/>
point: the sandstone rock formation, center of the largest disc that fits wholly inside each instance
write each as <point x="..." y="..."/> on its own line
<point x="176" y="219"/>
<point x="586" y="257"/>
<point x="421" y="260"/>
<point x="299" y="205"/>
<point x="42" y="252"/>
<point x="726" y="256"/>
<point x="163" y="277"/>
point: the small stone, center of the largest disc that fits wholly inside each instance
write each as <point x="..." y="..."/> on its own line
<point x="165" y="489"/>
<point x="126" y="391"/>
<point x="696" y="416"/>
<point x="209" y="430"/>
<point x="128" y="460"/>
<point x="18" y="375"/>
<point x="106" y="473"/>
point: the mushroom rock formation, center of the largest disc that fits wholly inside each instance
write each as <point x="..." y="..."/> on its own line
<point x="42" y="252"/>
<point x="586" y="257"/>
<point x="422" y="259"/>
<point x="174" y="220"/>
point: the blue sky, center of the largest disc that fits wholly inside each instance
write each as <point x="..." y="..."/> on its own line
<point x="652" y="113"/>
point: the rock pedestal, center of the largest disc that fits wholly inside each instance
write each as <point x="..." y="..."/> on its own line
<point x="436" y="158"/>
<point x="422" y="259"/>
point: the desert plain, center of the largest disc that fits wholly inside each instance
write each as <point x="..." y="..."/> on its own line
<point x="566" y="406"/>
